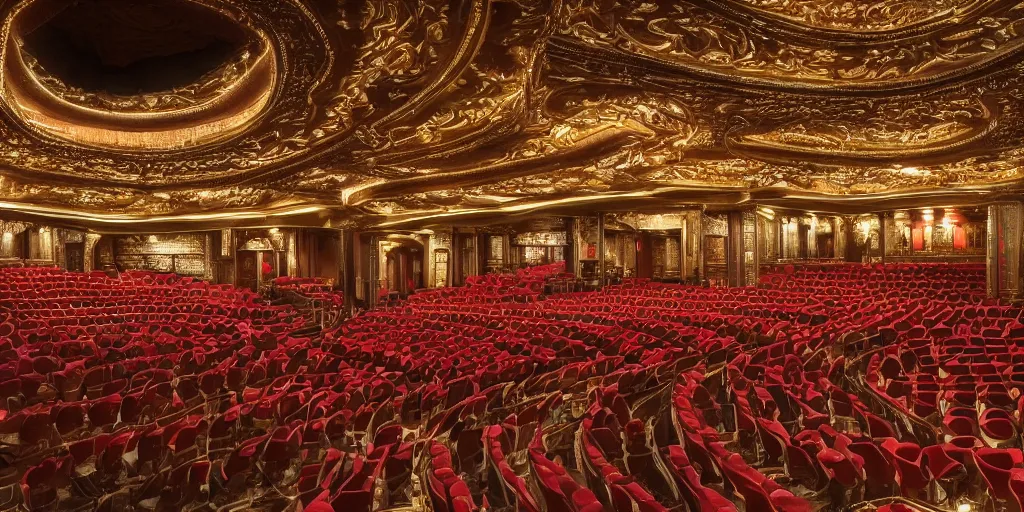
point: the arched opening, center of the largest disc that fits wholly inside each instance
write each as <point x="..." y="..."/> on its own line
<point x="401" y="267"/>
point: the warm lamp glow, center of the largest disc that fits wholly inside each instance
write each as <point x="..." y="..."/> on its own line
<point x="963" y="507"/>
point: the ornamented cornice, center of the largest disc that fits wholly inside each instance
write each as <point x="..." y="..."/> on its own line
<point x="874" y="16"/>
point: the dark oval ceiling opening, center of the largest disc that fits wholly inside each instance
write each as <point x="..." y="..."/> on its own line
<point x="129" y="47"/>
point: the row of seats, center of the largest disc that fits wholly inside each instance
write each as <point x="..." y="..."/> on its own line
<point x="313" y="288"/>
<point x="850" y="388"/>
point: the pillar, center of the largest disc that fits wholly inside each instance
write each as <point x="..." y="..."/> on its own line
<point x="684" y="264"/>
<point x="742" y="258"/>
<point x="572" y="257"/>
<point x="477" y="269"/>
<point x="348" y="269"/>
<point x="849" y="234"/>
<point x="600" y="250"/>
<point x="483" y="253"/>
<point x="209" y="262"/>
<point x="838" y="237"/>
<point x="91" y="239"/>
<point x="455" y="258"/>
<point x="373" y="299"/>
<point x="506" y="252"/>
<point x="882" y="236"/>
<point x="292" y="246"/>
<point x="752" y="260"/>
<point x="693" y="238"/>
<point x="1002" y="259"/>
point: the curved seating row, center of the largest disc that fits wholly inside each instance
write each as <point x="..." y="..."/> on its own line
<point x="844" y="384"/>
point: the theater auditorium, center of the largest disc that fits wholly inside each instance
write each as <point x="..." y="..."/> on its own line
<point x="511" y="255"/>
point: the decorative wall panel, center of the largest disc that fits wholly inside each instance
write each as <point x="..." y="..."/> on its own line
<point x="658" y="255"/>
<point x="1005" y="231"/>
<point x="440" y="247"/>
<point x="40" y="244"/>
<point x="717" y="225"/>
<point x="496" y="251"/>
<point x="227" y="248"/>
<point x="642" y="221"/>
<point x="178" y="253"/>
<point x="672" y="268"/>
<point x="768" y="239"/>
<point x="541" y="238"/>
<point x="750" y="234"/>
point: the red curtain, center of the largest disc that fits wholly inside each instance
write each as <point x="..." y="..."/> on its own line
<point x="917" y="234"/>
<point x="959" y="238"/>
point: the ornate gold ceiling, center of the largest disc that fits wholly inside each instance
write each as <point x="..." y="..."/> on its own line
<point x="389" y="111"/>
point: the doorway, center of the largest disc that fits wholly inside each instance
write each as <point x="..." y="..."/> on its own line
<point x="716" y="256"/>
<point x="252" y="267"/>
<point x="404" y="270"/>
<point x="826" y="246"/>
<point x="74" y="256"/>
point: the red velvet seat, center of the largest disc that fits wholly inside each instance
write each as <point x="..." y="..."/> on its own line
<point x="150" y="370"/>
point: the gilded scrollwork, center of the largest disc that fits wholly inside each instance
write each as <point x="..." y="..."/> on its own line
<point x="393" y="108"/>
<point x="333" y="77"/>
<point x="209" y="86"/>
<point x="867" y="131"/>
<point x="863" y="15"/>
<point x="694" y="36"/>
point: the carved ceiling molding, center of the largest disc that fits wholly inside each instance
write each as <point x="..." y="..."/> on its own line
<point x="386" y="110"/>
<point x="859" y="18"/>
